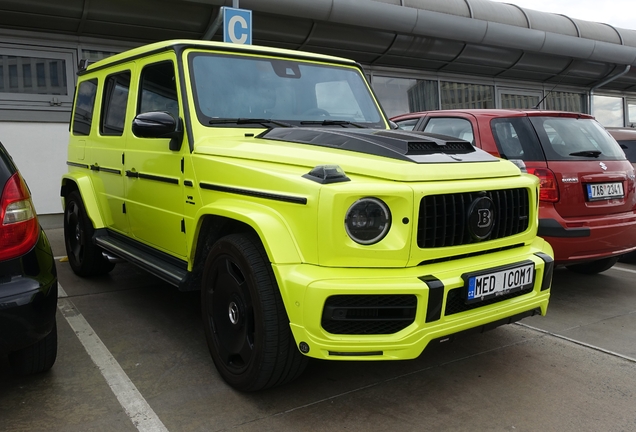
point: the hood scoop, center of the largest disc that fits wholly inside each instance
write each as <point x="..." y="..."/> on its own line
<point x="418" y="147"/>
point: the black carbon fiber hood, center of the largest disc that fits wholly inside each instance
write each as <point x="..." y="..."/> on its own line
<point x="417" y="147"/>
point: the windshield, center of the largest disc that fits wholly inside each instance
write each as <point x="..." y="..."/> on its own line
<point x="297" y="93"/>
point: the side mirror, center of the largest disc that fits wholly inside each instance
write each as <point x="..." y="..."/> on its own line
<point x="159" y="124"/>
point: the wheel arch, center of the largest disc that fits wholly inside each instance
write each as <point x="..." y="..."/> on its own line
<point x="214" y="222"/>
<point x="84" y="186"/>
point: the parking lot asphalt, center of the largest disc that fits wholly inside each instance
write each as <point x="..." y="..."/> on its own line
<point x="132" y="356"/>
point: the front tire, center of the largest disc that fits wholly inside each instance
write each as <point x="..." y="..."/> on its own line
<point x="593" y="267"/>
<point x="85" y="257"/>
<point x="246" y="326"/>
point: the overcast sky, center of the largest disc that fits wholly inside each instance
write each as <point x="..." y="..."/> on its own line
<point x="619" y="13"/>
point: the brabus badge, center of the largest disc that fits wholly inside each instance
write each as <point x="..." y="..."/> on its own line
<point x="481" y="218"/>
<point x="603" y="166"/>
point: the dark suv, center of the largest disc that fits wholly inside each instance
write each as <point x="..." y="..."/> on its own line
<point x="28" y="278"/>
<point x="587" y="208"/>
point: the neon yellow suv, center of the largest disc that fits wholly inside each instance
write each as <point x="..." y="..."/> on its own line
<point x="271" y="181"/>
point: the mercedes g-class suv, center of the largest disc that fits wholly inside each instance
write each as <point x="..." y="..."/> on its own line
<point x="271" y="181"/>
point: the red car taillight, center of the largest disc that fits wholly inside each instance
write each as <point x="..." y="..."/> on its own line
<point x="19" y="229"/>
<point x="548" y="186"/>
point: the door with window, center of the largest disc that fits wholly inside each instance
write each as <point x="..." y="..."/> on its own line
<point x="154" y="177"/>
<point x="104" y="153"/>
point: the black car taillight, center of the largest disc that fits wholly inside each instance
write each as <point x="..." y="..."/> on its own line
<point x="19" y="229"/>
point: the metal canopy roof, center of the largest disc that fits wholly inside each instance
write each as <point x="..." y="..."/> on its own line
<point x="472" y="37"/>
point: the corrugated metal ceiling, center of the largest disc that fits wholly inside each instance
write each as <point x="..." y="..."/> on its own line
<point x="472" y="37"/>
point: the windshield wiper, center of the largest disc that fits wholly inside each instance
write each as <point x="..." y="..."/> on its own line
<point x="342" y="123"/>
<point x="240" y="121"/>
<point x="587" y="153"/>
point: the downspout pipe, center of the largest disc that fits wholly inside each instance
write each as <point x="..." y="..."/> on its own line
<point x="602" y="83"/>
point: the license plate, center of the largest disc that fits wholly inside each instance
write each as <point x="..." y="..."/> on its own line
<point x="497" y="282"/>
<point x="601" y="191"/>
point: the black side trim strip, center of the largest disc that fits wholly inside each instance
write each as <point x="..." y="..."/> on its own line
<point x="152" y="177"/>
<point x="75" y="164"/>
<point x="188" y="183"/>
<point x="108" y="170"/>
<point x="552" y="228"/>
<point x="435" y="297"/>
<point x="257" y="194"/>
<point x="548" y="270"/>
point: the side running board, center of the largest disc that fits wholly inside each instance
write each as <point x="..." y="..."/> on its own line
<point x="166" y="268"/>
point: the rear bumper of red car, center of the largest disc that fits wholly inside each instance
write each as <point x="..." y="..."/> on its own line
<point x="578" y="240"/>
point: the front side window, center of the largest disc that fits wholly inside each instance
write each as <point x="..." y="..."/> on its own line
<point x="116" y="89"/>
<point x="451" y="126"/>
<point x="408" y="124"/>
<point x="158" y="89"/>
<point x="84" y="106"/>
<point x="230" y="87"/>
<point x="569" y="138"/>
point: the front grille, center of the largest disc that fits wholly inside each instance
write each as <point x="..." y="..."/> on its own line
<point x="443" y="219"/>
<point x="368" y="314"/>
<point x="455" y="302"/>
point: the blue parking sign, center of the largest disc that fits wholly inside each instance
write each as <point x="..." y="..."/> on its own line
<point x="237" y="26"/>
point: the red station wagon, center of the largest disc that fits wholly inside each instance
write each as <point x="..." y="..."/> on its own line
<point x="587" y="208"/>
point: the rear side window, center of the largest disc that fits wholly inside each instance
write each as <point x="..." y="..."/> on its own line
<point x="451" y="126"/>
<point x="116" y="89"/>
<point x="84" y="107"/>
<point x="516" y="139"/>
<point x="568" y="138"/>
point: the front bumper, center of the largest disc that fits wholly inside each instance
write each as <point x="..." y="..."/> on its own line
<point x="438" y="314"/>
<point x="28" y="297"/>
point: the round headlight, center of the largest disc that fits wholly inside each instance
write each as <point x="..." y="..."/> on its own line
<point x="368" y="220"/>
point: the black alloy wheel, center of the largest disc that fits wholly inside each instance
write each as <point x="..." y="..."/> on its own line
<point x="246" y="326"/>
<point x="85" y="258"/>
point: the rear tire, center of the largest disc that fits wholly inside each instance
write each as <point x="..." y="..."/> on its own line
<point x="84" y="256"/>
<point x="246" y="326"/>
<point x="594" y="267"/>
<point x="36" y="358"/>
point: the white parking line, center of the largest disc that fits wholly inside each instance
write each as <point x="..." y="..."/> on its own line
<point x="623" y="269"/>
<point x="136" y="407"/>
<point x="578" y="342"/>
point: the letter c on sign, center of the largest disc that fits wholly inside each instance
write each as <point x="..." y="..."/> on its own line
<point x="241" y="38"/>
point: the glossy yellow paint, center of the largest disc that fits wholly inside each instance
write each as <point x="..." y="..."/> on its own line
<point x="159" y="197"/>
<point x="304" y="286"/>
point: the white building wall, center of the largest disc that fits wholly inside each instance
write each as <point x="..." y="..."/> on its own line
<point x="39" y="151"/>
